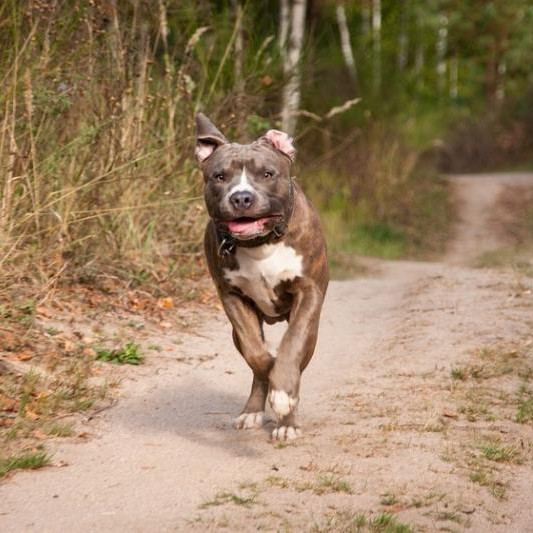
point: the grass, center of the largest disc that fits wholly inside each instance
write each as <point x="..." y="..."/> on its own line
<point x="56" y="429"/>
<point x="128" y="355"/>
<point x="25" y="461"/>
<point x="494" y="451"/>
<point x="350" y="522"/>
<point x="481" y="475"/>
<point x="524" y="413"/>
<point x="388" y="498"/>
<point x="325" y="483"/>
<point x="223" y="498"/>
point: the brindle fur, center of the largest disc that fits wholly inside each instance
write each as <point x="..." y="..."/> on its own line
<point x="299" y="301"/>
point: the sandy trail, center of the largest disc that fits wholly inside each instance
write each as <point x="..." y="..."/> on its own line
<point x="382" y="420"/>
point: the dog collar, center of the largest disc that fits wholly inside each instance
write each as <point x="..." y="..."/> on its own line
<point x="227" y="243"/>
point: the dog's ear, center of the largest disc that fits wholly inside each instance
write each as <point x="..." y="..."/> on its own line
<point x="281" y="142"/>
<point x="208" y="138"/>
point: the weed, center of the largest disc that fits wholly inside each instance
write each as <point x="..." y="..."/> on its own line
<point x="388" y="498"/>
<point x="525" y="406"/>
<point x="59" y="430"/>
<point x="450" y="516"/>
<point x="333" y="483"/>
<point x="276" y="481"/>
<point x="345" y="521"/>
<point x="388" y="523"/>
<point x="499" y="453"/>
<point x="129" y="354"/>
<point x="223" y="498"/>
<point x="29" y="460"/>
<point x="484" y="477"/>
<point x="458" y="374"/>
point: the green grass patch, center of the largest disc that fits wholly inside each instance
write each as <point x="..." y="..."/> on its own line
<point x="57" y="429"/>
<point x="495" y="451"/>
<point x="524" y="414"/>
<point x="349" y="522"/>
<point x="30" y="461"/>
<point x="377" y="239"/>
<point x="223" y="498"/>
<point x="128" y="355"/>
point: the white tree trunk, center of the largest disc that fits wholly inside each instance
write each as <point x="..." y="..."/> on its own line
<point x="346" y="44"/>
<point x="376" y="40"/>
<point x="454" y="78"/>
<point x="404" y="38"/>
<point x="365" y="15"/>
<point x="291" y="67"/>
<point x="500" y="87"/>
<point x="442" y="46"/>
<point x="284" y="23"/>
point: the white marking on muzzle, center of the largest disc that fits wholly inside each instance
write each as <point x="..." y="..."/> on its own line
<point x="242" y="186"/>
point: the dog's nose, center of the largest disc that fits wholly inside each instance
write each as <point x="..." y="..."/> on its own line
<point x="242" y="200"/>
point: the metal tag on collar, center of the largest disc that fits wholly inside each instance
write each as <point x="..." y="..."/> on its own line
<point x="226" y="247"/>
<point x="279" y="230"/>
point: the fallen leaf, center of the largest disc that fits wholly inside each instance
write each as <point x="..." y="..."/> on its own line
<point x="8" y="404"/>
<point x="449" y="414"/>
<point x="26" y="355"/>
<point x="43" y="311"/>
<point x="39" y="434"/>
<point x="165" y="303"/>
<point x="32" y="415"/>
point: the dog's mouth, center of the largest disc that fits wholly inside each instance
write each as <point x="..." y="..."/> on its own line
<point x="246" y="227"/>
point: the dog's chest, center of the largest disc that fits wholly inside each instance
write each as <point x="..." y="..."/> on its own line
<point x="261" y="269"/>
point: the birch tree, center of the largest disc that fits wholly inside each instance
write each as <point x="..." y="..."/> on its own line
<point x="293" y="24"/>
<point x="346" y="43"/>
<point x="376" y="42"/>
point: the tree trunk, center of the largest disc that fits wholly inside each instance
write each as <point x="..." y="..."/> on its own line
<point x="291" y="66"/>
<point x="442" y="46"/>
<point x="376" y="40"/>
<point x="238" y="69"/>
<point x="346" y="44"/>
<point x="284" y="23"/>
<point x="404" y="38"/>
<point x="454" y="77"/>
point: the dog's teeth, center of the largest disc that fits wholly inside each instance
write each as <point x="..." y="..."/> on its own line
<point x="282" y="404"/>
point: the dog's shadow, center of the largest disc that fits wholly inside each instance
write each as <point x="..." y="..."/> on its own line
<point x="197" y="412"/>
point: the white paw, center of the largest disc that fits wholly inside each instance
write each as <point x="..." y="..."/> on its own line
<point x="250" y="420"/>
<point x="282" y="404"/>
<point x="286" y="433"/>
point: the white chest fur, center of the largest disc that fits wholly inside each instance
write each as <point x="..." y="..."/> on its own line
<point x="261" y="269"/>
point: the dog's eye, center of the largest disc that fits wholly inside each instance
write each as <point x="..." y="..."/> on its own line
<point x="219" y="176"/>
<point x="268" y="174"/>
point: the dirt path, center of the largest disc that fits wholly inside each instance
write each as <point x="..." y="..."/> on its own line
<point x="387" y="427"/>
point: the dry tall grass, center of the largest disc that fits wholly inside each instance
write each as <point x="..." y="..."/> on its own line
<point x="95" y="137"/>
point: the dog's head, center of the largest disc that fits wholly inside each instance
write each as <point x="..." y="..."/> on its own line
<point x="247" y="186"/>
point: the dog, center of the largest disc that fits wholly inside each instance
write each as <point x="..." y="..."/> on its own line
<point x="267" y="255"/>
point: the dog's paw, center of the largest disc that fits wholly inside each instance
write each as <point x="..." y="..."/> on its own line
<point x="282" y="404"/>
<point x="286" y="433"/>
<point x="250" y="420"/>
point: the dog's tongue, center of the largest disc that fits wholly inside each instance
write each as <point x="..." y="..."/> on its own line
<point x="247" y="226"/>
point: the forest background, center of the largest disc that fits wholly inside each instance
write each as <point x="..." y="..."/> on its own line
<point x="97" y="106"/>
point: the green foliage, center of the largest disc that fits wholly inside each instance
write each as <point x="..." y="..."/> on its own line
<point x="97" y="134"/>
<point x="129" y="354"/>
<point x="525" y="406"/>
<point x="29" y="460"/>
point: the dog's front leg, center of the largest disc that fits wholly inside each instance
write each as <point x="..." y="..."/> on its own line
<point x="249" y="340"/>
<point x="294" y="353"/>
